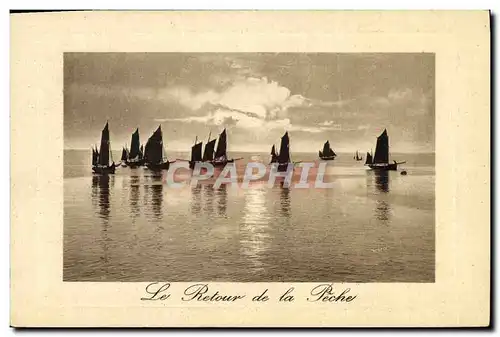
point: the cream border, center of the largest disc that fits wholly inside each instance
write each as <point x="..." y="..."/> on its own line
<point x="460" y="39"/>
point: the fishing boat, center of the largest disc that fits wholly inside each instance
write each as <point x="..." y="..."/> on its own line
<point x="123" y="159"/>
<point x="154" y="152"/>
<point x="284" y="155"/>
<point x="95" y="156"/>
<point x="135" y="156"/>
<point x="357" y="157"/>
<point x="274" y="155"/>
<point x="220" y="156"/>
<point x="196" y="153"/>
<point x="327" y="153"/>
<point x="208" y="154"/>
<point x="369" y="159"/>
<point x="101" y="159"/>
<point x="380" y="160"/>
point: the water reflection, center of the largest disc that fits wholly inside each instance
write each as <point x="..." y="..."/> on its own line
<point x="134" y="196"/>
<point x="382" y="181"/>
<point x="203" y="198"/>
<point x="208" y="196"/>
<point x="196" y="200"/>
<point x="156" y="191"/>
<point x="382" y="209"/>
<point x="285" y="204"/>
<point x="100" y="195"/>
<point x="221" y="200"/>
<point x="255" y="237"/>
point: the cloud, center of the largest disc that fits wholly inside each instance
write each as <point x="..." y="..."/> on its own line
<point x="258" y="96"/>
<point x="226" y="118"/>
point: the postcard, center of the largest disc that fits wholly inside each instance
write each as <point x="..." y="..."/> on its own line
<point x="250" y="169"/>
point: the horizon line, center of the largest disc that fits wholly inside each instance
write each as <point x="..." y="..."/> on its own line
<point x="257" y="151"/>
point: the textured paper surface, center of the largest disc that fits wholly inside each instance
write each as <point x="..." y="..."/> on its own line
<point x="460" y="41"/>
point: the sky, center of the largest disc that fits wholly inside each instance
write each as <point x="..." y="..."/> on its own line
<point x="348" y="99"/>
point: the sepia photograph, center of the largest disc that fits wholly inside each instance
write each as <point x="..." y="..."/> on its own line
<point x="249" y="167"/>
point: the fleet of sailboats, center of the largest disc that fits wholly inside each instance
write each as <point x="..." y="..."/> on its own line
<point x="153" y="155"/>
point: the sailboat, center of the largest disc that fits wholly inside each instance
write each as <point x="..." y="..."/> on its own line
<point x="153" y="154"/>
<point x="100" y="159"/>
<point x="369" y="159"/>
<point x="123" y="159"/>
<point x="357" y="157"/>
<point x="208" y="154"/>
<point x="284" y="155"/>
<point x="380" y="160"/>
<point x="95" y="156"/>
<point x="274" y="155"/>
<point x="327" y="153"/>
<point x="196" y="153"/>
<point x="141" y="154"/>
<point x="135" y="156"/>
<point x="220" y="157"/>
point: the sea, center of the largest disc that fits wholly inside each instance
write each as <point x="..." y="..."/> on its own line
<point x="132" y="226"/>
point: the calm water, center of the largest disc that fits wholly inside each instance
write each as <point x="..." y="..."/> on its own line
<point x="368" y="228"/>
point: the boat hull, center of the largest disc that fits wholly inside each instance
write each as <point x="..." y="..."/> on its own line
<point x="327" y="158"/>
<point x="213" y="162"/>
<point x="104" y="169"/>
<point x="135" y="164"/>
<point x="384" y="167"/>
<point x="221" y="163"/>
<point x="158" y="167"/>
<point x="282" y="167"/>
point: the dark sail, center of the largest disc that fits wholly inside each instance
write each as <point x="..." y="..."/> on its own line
<point x="141" y="152"/>
<point x="284" y="156"/>
<point x="134" y="145"/>
<point x="196" y="152"/>
<point x="274" y="155"/>
<point x="368" y="159"/>
<point x="95" y="156"/>
<point x="154" y="148"/>
<point x="382" y="149"/>
<point x="124" y="154"/>
<point x="209" y="150"/>
<point x="104" y="149"/>
<point x="327" y="150"/>
<point x="221" y="146"/>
